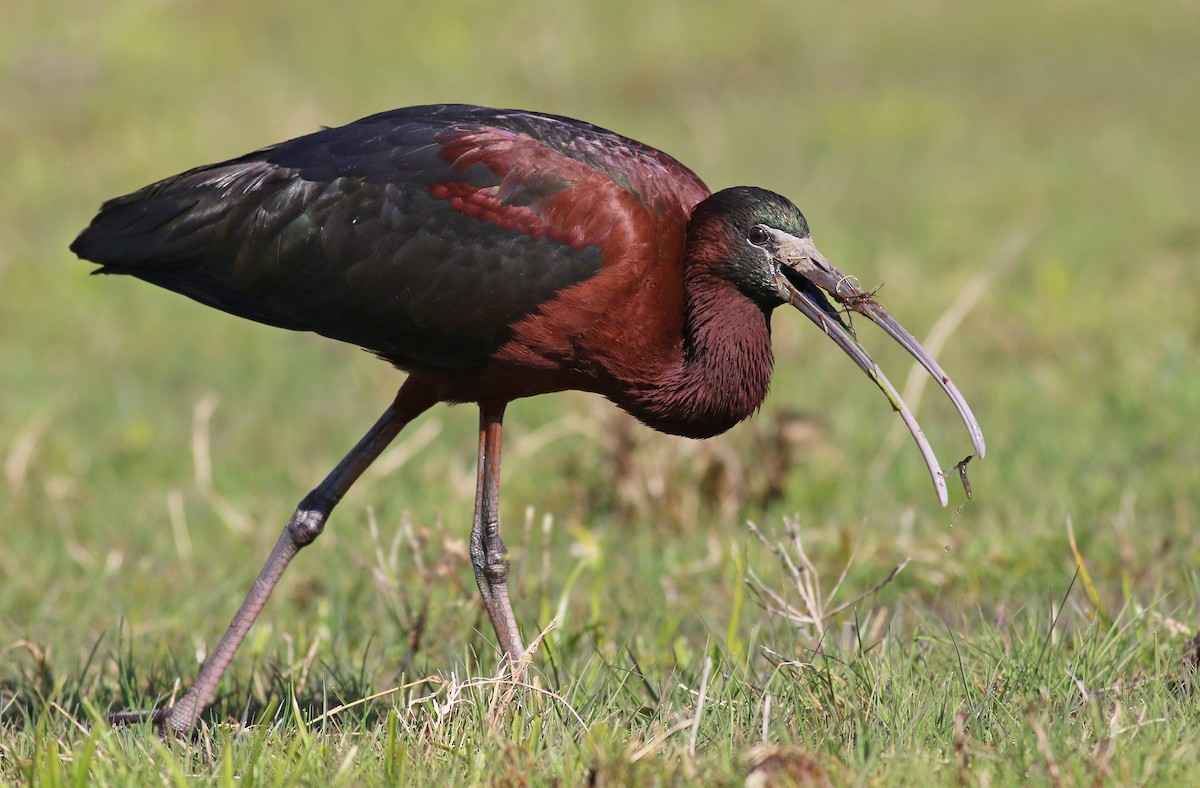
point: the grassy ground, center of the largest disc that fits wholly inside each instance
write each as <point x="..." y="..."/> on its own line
<point x="1035" y="162"/>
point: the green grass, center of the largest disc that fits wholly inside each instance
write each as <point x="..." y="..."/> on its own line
<point x="1048" y="147"/>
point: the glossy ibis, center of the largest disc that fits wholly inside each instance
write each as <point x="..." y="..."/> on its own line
<point x="492" y="255"/>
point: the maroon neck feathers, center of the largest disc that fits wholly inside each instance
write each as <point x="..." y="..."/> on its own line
<point x="724" y="367"/>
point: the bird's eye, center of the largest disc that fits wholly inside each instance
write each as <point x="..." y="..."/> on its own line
<point x="758" y="235"/>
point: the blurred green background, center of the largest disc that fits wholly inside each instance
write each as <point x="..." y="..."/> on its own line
<point x="1040" y="155"/>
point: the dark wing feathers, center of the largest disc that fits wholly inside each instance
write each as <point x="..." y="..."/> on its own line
<point x="422" y="234"/>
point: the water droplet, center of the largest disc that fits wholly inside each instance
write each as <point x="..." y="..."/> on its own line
<point x="947" y="548"/>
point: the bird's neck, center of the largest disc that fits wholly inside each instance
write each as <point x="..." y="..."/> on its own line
<point x="723" y="370"/>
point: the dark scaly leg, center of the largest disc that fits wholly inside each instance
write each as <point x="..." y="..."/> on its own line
<point x="305" y="525"/>
<point x="489" y="556"/>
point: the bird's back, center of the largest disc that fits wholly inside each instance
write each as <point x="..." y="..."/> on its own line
<point x="423" y="234"/>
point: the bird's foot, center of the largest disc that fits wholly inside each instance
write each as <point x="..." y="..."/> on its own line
<point x="160" y="718"/>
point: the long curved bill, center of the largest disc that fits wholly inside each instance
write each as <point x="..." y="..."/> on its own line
<point x="807" y="281"/>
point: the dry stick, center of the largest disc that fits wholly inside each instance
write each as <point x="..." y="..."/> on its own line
<point x="939" y="334"/>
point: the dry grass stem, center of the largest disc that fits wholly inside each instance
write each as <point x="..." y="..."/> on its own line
<point x="179" y="527"/>
<point x="24" y="446"/>
<point x="766" y="718"/>
<point x="807" y="583"/>
<point x="202" y="414"/>
<point x="451" y="690"/>
<point x="237" y="521"/>
<point x="695" y="736"/>
<point x="407" y="446"/>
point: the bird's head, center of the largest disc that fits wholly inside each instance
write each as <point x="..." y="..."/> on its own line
<point x="760" y="242"/>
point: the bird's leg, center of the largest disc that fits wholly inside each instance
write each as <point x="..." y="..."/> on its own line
<point x="489" y="556"/>
<point x="305" y="525"/>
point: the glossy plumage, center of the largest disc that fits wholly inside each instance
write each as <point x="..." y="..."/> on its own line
<point x="493" y="255"/>
<point x="423" y="234"/>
